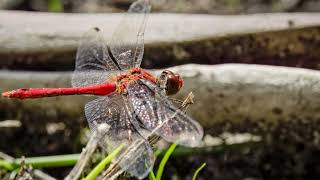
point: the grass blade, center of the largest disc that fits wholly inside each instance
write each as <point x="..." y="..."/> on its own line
<point x="100" y="167"/>
<point x="8" y="166"/>
<point x="152" y="176"/>
<point x="197" y="171"/>
<point x="164" y="160"/>
<point x="49" y="161"/>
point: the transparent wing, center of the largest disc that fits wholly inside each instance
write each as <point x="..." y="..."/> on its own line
<point x="127" y="43"/>
<point x="157" y="114"/>
<point x="103" y="110"/>
<point x="87" y="152"/>
<point x="113" y="112"/>
<point x="93" y="64"/>
<point x="137" y="159"/>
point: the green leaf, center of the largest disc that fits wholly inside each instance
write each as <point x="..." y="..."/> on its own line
<point x="197" y="171"/>
<point x="164" y="160"/>
<point x="100" y="167"/>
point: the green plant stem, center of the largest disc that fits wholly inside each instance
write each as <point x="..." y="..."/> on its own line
<point x="152" y="176"/>
<point x="164" y="160"/>
<point x="71" y="159"/>
<point x="49" y="161"/>
<point x="100" y="167"/>
<point x="6" y="165"/>
<point x="197" y="171"/>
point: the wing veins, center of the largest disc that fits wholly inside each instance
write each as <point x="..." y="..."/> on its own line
<point x="140" y="37"/>
<point x="97" y="58"/>
<point x="113" y="58"/>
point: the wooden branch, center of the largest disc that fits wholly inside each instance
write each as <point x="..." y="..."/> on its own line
<point x="48" y="41"/>
<point x="233" y="94"/>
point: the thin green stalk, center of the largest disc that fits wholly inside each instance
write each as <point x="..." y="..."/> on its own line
<point x="152" y="176"/>
<point x="197" y="171"/>
<point x="8" y="166"/>
<point x="164" y="160"/>
<point x="49" y="161"/>
<point x="100" y="167"/>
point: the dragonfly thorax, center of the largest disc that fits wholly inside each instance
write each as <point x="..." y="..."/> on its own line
<point x="168" y="81"/>
<point x="134" y="74"/>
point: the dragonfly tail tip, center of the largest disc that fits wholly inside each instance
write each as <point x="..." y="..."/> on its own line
<point x="6" y="94"/>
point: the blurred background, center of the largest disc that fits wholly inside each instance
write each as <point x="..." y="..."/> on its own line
<point x="38" y="43"/>
<point x="178" y="6"/>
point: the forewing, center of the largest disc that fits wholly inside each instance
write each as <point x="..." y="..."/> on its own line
<point x="157" y="114"/>
<point x="93" y="64"/>
<point x="127" y="43"/>
<point x="137" y="157"/>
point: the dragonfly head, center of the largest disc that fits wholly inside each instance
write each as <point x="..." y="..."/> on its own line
<point x="170" y="82"/>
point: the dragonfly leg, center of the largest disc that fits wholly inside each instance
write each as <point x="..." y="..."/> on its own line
<point x="183" y="105"/>
<point x="175" y="100"/>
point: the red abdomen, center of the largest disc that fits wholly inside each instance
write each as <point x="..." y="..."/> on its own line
<point x="101" y="89"/>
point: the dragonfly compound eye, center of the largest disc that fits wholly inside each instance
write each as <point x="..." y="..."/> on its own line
<point x="169" y="82"/>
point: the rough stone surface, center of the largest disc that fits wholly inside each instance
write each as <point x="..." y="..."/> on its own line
<point x="231" y="93"/>
<point x="279" y="105"/>
<point x="48" y="41"/>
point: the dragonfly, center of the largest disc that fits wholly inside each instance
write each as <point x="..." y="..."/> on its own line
<point x="132" y="102"/>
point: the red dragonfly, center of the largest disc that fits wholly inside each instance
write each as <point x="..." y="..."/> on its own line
<point x="133" y="103"/>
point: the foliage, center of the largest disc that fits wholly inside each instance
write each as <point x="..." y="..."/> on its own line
<point x="164" y="160"/>
<point x="67" y="160"/>
<point x="55" y="6"/>
<point x="197" y="171"/>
